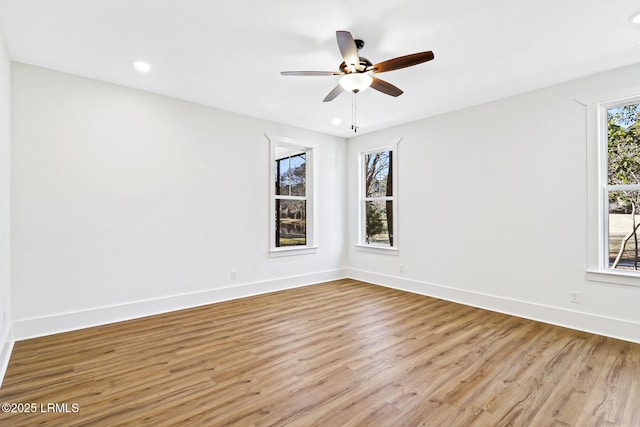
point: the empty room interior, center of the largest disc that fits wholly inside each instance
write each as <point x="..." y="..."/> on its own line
<point x="332" y="213"/>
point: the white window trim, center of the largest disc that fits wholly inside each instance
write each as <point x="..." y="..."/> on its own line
<point x="598" y="270"/>
<point x="361" y="245"/>
<point x="310" y="247"/>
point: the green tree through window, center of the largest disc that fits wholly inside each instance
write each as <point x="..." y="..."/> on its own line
<point x="623" y="186"/>
<point x="290" y="199"/>
<point x="378" y="198"/>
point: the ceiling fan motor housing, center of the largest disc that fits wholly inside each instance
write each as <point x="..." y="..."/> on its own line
<point x="364" y="64"/>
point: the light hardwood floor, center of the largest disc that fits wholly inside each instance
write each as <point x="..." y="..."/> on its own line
<point x="342" y="353"/>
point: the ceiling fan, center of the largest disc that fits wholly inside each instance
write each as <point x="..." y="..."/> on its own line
<point x="356" y="71"/>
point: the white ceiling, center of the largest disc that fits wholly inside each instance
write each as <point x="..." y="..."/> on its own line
<point x="229" y="54"/>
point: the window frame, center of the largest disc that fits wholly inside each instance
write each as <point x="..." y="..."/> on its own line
<point x="592" y="104"/>
<point x="604" y="188"/>
<point x="361" y="244"/>
<point x="309" y="247"/>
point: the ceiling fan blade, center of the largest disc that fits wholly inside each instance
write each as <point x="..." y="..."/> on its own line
<point x="310" y="73"/>
<point x="332" y="95"/>
<point x="348" y="48"/>
<point x="385" y="87"/>
<point x="402" y="62"/>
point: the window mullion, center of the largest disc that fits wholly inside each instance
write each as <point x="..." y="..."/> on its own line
<point x="283" y="197"/>
<point x="382" y="198"/>
<point x="622" y="187"/>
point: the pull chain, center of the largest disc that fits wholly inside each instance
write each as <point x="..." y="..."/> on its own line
<point x="354" y="111"/>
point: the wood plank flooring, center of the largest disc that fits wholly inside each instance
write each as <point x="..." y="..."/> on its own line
<point x="342" y="353"/>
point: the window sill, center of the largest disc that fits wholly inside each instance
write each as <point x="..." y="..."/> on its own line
<point x="377" y="249"/>
<point x="613" y="277"/>
<point x="279" y="252"/>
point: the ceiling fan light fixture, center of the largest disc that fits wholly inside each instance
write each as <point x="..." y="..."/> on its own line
<point x="356" y="82"/>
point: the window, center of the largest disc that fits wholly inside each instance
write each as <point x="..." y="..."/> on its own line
<point x="291" y="207"/>
<point x="620" y="175"/>
<point x="378" y="222"/>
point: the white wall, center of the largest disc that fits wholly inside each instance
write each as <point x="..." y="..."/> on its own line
<point x="6" y="336"/>
<point x="128" y="203"/>
<point x="493" y="208"/>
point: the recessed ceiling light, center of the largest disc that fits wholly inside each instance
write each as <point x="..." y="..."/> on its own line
<point x="336" y="121"/>
<point x="636" y="18"/>
<point x="141" y="66"/>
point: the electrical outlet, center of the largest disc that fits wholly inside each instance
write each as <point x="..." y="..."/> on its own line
<point x="234" y="274"/>
<point x="575" y="297"/>
<point x="401" y="268"/>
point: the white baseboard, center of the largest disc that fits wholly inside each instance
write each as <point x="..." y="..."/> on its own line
<point x="581" y="321"/>
<point x="64" y="322"/>
<point x="6" y="346"/>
